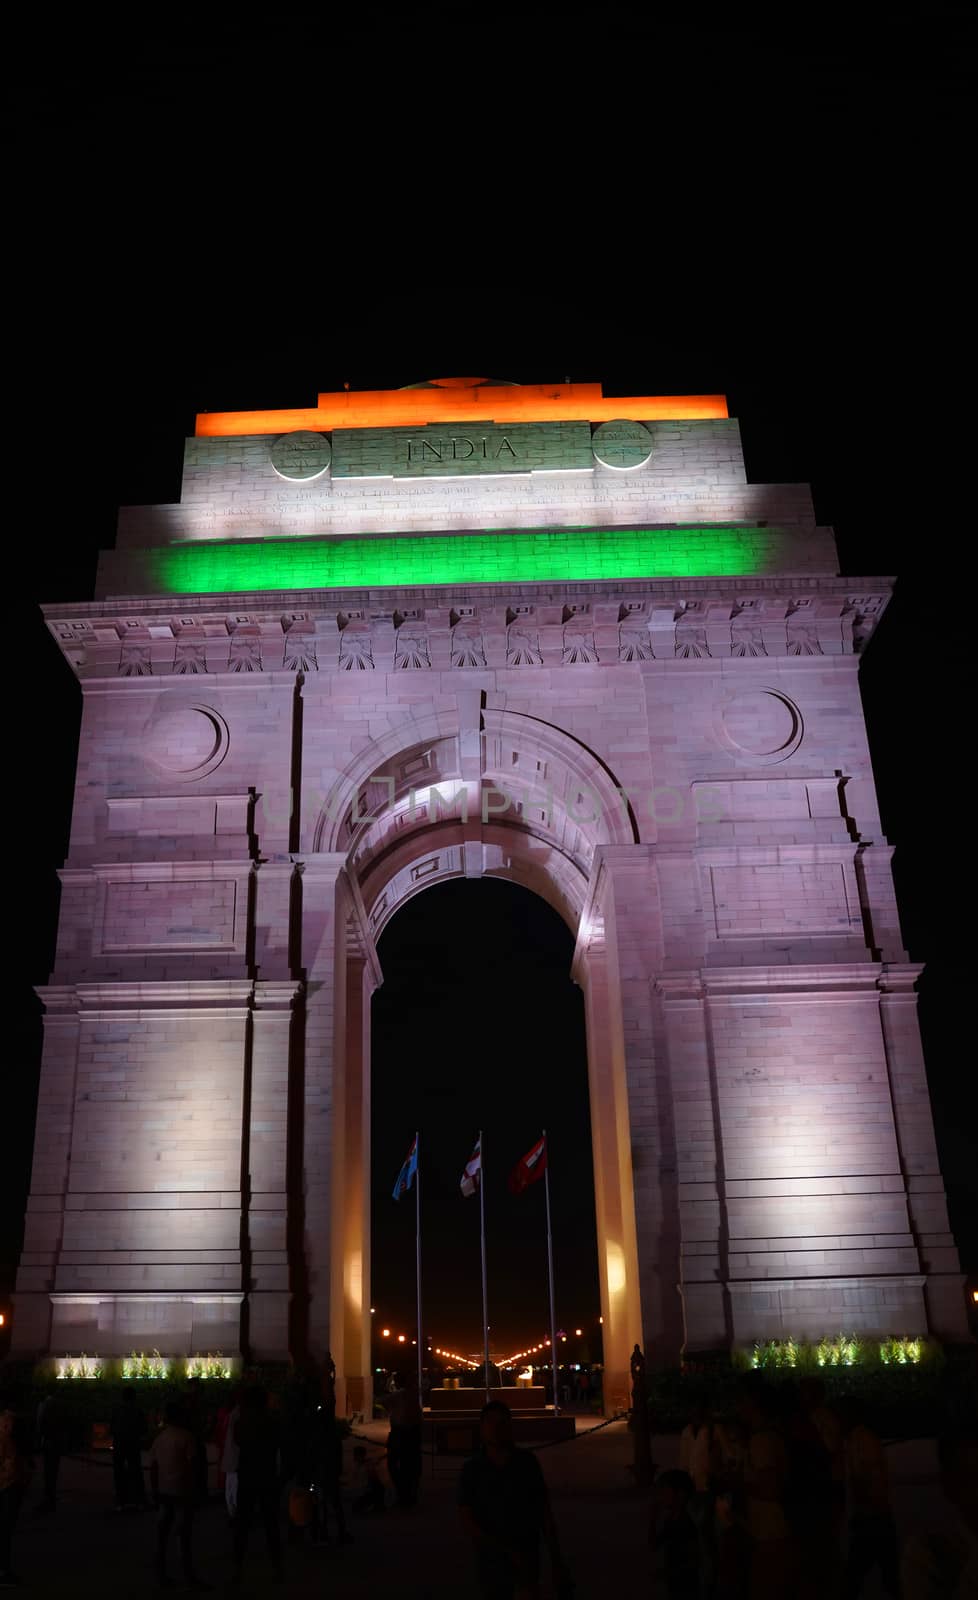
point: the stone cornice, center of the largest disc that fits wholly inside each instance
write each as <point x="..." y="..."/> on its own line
<point x="491" y="626"/>
<point x="816" y="981"/>
<point x="224" y="996"/>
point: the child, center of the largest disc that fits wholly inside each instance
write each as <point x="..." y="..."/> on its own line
<point x="368" y="1487"/>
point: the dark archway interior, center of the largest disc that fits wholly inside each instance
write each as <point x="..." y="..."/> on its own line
<point x="478" y="1024"/>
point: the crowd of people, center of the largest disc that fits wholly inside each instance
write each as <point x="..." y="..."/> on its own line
<point x="788" y="1498"/>
<point x="784" y="1497"/>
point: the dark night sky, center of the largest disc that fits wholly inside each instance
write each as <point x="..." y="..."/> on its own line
<point x="481" y="973"/>
<point x="243" y="222"/>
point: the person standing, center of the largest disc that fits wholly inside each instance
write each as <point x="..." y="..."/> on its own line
<point x="697" y="1452"/>
<point x="16" y="1466"/>
<point x="259" y="1456"/>
<point x="773" y="1557"/>
<point x="505" y="1509"/>
<point x="675" y="1540"/>
<point x="229" y="1455"/>
<point x="404" y="1442"/>
<point x="195" y="1413"/>
<point x="52" y="1430"/>
<point x="872" y="1531"/>
<point x="326" y="1472"/>
<point x="127" y="1426"/>
<point x="171" y="1474"/>
<point x="368" y="1486"/>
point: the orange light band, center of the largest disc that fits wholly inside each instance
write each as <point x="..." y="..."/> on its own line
<point x="406" y="408"/>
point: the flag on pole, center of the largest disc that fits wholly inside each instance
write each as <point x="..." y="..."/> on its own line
<point x="472" y="1176"/>
<point x="532" y="1166"/>
<point x="407" y="1174"/>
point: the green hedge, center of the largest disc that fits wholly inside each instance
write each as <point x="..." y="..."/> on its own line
<point x="91" y="1401"/>
<point x="914" y="1400"/>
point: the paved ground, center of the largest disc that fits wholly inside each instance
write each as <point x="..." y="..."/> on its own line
<point x="86" y="1549"/>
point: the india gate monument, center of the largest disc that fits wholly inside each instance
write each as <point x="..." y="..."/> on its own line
<point x="466" y="629"/>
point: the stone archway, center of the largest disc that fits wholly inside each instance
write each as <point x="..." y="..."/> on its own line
<point x="404" y="816"/>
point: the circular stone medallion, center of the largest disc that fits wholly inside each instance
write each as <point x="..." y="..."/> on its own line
<point x="622" y="445"/>
<point x="301" y="456"/>
<point x="186" y="741"/>
<point x="760" y="724"/>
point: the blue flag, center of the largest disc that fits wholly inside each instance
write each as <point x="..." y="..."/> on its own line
<point x="406" y="1176"/>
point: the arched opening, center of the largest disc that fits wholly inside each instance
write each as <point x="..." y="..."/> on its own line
<point x="466" y="795"/>
<point x="478" y="1025"/>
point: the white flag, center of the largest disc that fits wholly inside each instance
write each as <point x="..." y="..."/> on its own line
<point x="472" y="1176"/>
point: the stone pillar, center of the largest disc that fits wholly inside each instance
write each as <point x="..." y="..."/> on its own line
<point x="944" y="1287"/>
<point x="265" y="1201"/>
<point x="634" y="1159"/>
<point x="148" y="1103"/>
<point x="322" y="950"/>
<point x="30" y="1334"/>
<point x="350" y="1307"/>
<point x="621" y="1311"/>
<point x="627" y="883"/>
<point x="703" y="1228"/>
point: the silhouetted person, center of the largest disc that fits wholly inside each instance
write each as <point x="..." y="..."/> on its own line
<point x="773" y="1558"/>
<point x="329" y="1381"/>
<point x="674" y="1537"/>
<point x="368" y="1487"/>
<point x="639" y="1420"/>
<point x="505" y="1510"/>
<point x="52" y="1439"/>
<point x="327" y="1472"/>
<point x="16" y="1466"/>
<point x="810" y="1501"/>
<point x="222" y="1423"/>
<point x="127" y="1425"/>
<point x="404" y="1442"/>
<point x="171" y="1475"/>
<point x="258" y="1440"/>
<point x="229" y="1457"/>
<point x="195" y="1414"/>
<point x="872" y="1532"/>
<point x="941" y="1561"/>
<point x="829" y="1424"/>
<point x="696" y="1458"/>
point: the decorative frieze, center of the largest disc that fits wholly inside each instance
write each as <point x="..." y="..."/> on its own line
<point x="579" y="624"/>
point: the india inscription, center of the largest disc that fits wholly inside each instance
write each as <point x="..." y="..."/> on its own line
<point x="461" y="450"/>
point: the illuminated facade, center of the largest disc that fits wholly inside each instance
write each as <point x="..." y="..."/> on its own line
<point x="473" y="629"/>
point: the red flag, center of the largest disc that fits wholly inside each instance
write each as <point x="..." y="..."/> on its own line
<point x="532" y="1167"/>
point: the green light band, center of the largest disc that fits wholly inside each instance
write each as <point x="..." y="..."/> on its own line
<point x="406" y="561"/>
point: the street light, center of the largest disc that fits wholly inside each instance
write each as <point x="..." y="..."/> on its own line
<point x="385" y="1333"/>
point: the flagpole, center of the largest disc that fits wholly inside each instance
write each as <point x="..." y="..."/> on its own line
<point x="482" y="1218"/>
<point x="550" y="1266"/>
<point x="417" y="1217"/>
